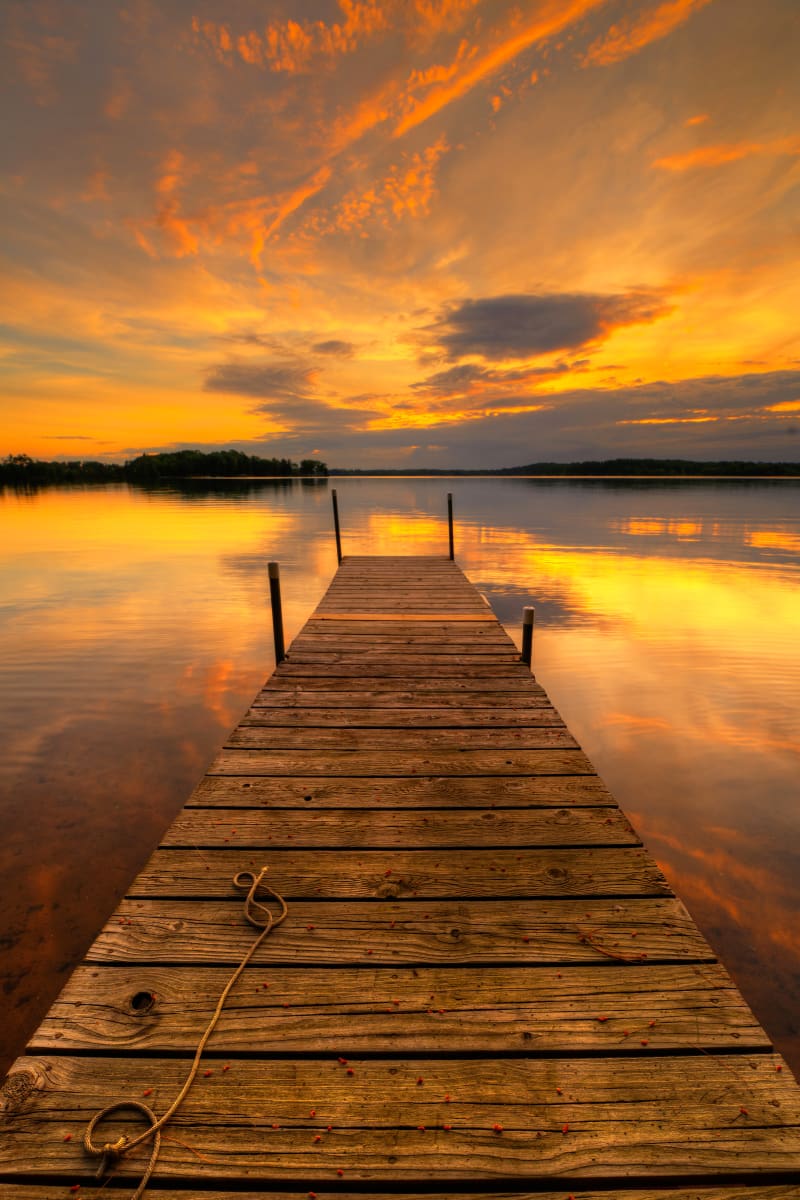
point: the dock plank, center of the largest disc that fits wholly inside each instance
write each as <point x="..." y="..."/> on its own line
<point x="402" y="931"/>
<point x="560" y="1118"/>
<point x="334" y="873"/>
<point x="242" y="761"/>
<point x="546" y="789"/>
<point x="253" y="733"/>
<point x="593" y="1009"/>
<point x="376" y="827"/>
<point x="775" y="1192"/>
<point x="306" y="716"/>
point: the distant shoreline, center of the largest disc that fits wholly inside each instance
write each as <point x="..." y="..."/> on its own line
<point x="151" y="470"/>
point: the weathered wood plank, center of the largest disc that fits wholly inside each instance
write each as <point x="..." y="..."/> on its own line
<point x="406" y="931"/>
<point x="439" y="601"/>
<point x="378" y="658"/>
<point x="36" y="1191"/>
<point x="410" y="792"/>
<point x="241" y="761"/>
<point x="393" y="648"/>
<point x="426" y="619"/>
<point x="383" y="669"/>
<point x="367" y="874"/>
<point x="256" y="734"/>
<point x="436" y="605"/>
<point x="599" y="1009"/>
<point x="517" y="689"/>
<point x="457" y="702"/>
<point x="309" y="717"/>
<point x="617" y="1119"/>
<point x="351" y="634"/>
<point x="419" y="658"/>
<point x="411" y="828"/>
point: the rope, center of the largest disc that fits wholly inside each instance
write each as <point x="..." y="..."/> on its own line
<point x="260" y="917"/>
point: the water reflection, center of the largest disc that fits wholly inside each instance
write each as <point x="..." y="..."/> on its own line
<point x="134" y="630"/>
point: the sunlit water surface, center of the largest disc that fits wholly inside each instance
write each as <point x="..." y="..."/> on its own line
<point x="134" y="631"/>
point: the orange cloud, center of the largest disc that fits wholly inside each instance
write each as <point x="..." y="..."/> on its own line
<point x="668" y="421"/>
<point x="790" y="406"/>
<point x="217" y="37"/>
<point x="631" y="35"/>
<point x="696" y="120"/>
<point x="436" y="15"/>
<point x="406" y="191"/>
<point x="291" y="46"/>
<point x="258" y="218"/>
<point x="552" y="19"/>
<point x="715" y="156"/>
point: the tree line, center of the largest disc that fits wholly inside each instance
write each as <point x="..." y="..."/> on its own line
<point x="149" y="468"/>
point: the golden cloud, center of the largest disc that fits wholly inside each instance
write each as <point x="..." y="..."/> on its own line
<point x="632" y="34"/>
<point x="405" y="191"/>
<point x="715" y="156"/>
<point x="551" y="19"/>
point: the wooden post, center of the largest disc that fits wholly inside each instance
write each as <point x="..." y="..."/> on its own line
<point x="273" y="571"/>
<point x="336" y="525"/>
<point x="527" y="635"/>
<point x="450" y="523"/>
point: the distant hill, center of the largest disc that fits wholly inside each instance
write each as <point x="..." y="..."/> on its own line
<point x="655" y="466"/>
<point x="645" y="467"/>
<point x="20" y="469"/>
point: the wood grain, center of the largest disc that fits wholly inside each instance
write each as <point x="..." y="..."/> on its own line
<point x="422" y="689"/>
<point x="409" y="829"/>
<point x="394" y="932"/>
<point x="532" y="716"/>
<point x="594" y="1009"/>
<point x="560" y="1118"/>
<point x="36" y="1191"/>
<point x="240" y="761"/>
<point x="456" y="698"/>
<point x="255" y="734"/>
<point x="402" y="874"/>
<point x="547" y="790"/>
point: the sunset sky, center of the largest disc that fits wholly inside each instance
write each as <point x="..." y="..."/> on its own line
<point x="401" y="233"/>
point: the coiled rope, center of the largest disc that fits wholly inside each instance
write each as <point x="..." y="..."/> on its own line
<point x="260" y="917"/>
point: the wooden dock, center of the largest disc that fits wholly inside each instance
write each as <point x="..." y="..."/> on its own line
<point x="484" y="983"/>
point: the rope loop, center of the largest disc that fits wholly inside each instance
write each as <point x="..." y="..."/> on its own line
<point x="111" y="1152"/>
<point x="261" y="917"/>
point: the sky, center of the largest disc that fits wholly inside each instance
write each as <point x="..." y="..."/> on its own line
<point x="406" y="233"/>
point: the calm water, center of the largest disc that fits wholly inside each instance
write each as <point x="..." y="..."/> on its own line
<point x="134" y="632"/>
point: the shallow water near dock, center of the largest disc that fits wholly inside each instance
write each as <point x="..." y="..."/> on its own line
<point x="135" y="630"/>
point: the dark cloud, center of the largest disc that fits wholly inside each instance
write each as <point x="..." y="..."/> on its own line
<point x="267" y="381"/>
<point x="654" y="420"/>
<point x="470" y="375"/>
<point x="524" y="325"/>
<point x="246" y="338"/>
<point x="336" y="348"/>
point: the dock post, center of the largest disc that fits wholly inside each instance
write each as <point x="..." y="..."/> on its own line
<point x="273" y="571"/>
<point x="527" y="635"/>
<point x="336" y="525"/>
<point x="450" y="523"/>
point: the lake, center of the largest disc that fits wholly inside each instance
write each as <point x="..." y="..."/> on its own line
<point x="135" y="630"/>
